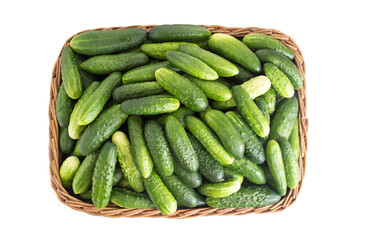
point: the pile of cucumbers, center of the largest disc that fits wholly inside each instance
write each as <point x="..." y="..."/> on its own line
<point x="178" y="117"/>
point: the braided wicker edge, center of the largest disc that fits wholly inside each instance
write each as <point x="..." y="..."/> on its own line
<point x="115" y="211"/>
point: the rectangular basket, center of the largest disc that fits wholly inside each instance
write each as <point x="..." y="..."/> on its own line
<point x="114" y="211"/>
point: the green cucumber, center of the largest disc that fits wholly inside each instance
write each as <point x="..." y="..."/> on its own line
<point x="180" y="144"/>
<point x="68" y="169"/>
<point x="106" y="64"/>
<point x="159" y="148"/>
<point x="257" y="86"/>
<point x="159" y="194"/>
<point x="290" y="162"/>
<point x="66" y="143"/>
<point x="283" y="63"/>
<point x="117" y="176"/>
<point x="180" y="115"/>
<point x="70" y="73"/>
<point x="243" y="75"/>
<point x="103" y="175"/>
<point x="294" y="139"/>
<point x="276" y="166"/>
<point x="84" y="176"/>
<point x="284" y="118"/>
<point x="86" y="195"/>
<point x="76" y="151"/>
<point x="158" y="50"/>
<point x="191" y="65"/>
<point x="64" y="107"/>
<point x="87" y="78"/>
<point x="223" y="105"/>
<point x="110" y="41"/>
<point x="270" y="98"/>
<point x="208" y="139"/>
<point x="251" y="113"/>
<point x="192" y="179"/>
<point x="140" y="152"/>
<point x="269" y="177"/>
<point x="225" y="82"/>
<point x="231" y="174"/>
<point x="136" y="90"/>
<point x="221" y="189"/>
<point x="233" y="49"/>
<point x="256" y="41"/>
<point x="251" y="171"/>
<point x="125" y="184"/>
<point x="279" y="80"/>
<point x="246" y="197"/>
<point x="223" y="67"/>
<point x="129" y="199"/>
<point x="261" y="104"/>
<point x="183" y="89"/>
<point x="101" y="129"/>
<point x="227" y="132"/>
<point x="151" y="105"/>
<point x="178" y="32"/>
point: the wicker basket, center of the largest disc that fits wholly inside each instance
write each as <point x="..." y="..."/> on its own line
<point x="115" y="211"/>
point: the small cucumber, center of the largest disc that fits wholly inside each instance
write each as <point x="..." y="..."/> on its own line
<point x="70" y="73"/>
<point x="290" y="162"/>
<point x="208" y="139"/>
<point x="231" y="174"/>
<point x="110" y="41"/>
<point x="223" y="67"/>
<point x="183" y="89"/>
<point x="246" y="197"/>
<point x="84" y="176"/>
<point x="66" y="143"/>
<point x="243" y="75"/>
<point x="117" y="176"/>
<point x="68" y="169"/>
<point x="180" y="115"/>
<point x="233" y="49"/>
<point x="257" y="86"/>
<point x="76" y="151"/>
<point x="87" y="78"/>
<point x="191" y="65"/>
<point x="64" y="107"/>
<point x="294" y="139"/>
<point x="129" y="199"/>
<point x="276" y="166"/>
<point x="251" y="171"/>
<point x="125" y="184"/>
<point x="178" y="32"/>
<point x="180" y="144"/>
<point x="136" y="90"/>
<point x="261" y="104"/>
<point x="279" y="80"/>
<point x="223" y="105"/>
<point x="256" y="41"/>
<point x="103" y="175"/>
<point x="151" y="105"/>
<point x="140" y="152"/>
<point x="192" y="179"/>
<point x="270" y="98"/>
<point x="86" y="195"/>
<point x="158" y="50"/>
<point x="221" y="189"/>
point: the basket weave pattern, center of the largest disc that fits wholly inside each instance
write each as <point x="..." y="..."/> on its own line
<point x="115" y="211"/>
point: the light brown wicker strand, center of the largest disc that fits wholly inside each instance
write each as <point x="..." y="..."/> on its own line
<point x="115" y="211"/>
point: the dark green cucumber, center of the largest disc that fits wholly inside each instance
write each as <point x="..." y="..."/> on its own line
<point x="84" y="176"/>
<point x="227" y="132"/>
<point x="159" y="148"/>
<point x="223" y="105"/>
<point x="106" y="64"/>
<point x="151" y="105"/>
<point x="68" y="169"/>
<point x="180" y="144"/>
<point x="256" y="41"/>
<point x="87" y="78"/>
<point x="223" y="67"/>
<point x="158" y="50"/>
<point x="279" y="80"/>
<point x="261" y="104"/>
<point x="243" y="75"/>
<point x="246" y="197"/>
<point x="254" y="150"/>
<point x="125" y="184"/>
<point x="283" y="63"/>
<point x="70" y="73"/>
<point x="64" y="107"/>
<point x="208" y="139"/>
<point x="233" y="49"/>
<point x="180" y="115"/>
<point x="183" y="89"/>
<point x="270" y="98"/>
<point x="192" y="179"/>
<point x="276" y="166"/>
<point x="140" y="152"/>
<point x="251" y="113"/>
<point x="294" y="139"/>
<point x="101" y="129"/>
<point x="251" y="171"/>
<point x="66" y="143"/>
<point x="110" y="41"/>
<point x="129" y="199"/>
<point x="225" y="82"/>
<point x="117" y="176"/>
<point x="220" y="189"/>
<point x="290" y="162"/>
<point x="191" y="65"/>
<point x="136" y="90"/>
<point x="159" y="194"/>
<point x="86" y="195"/>
<point x="284" y="118"/>
<point x="178" y="32"/>
<point x="208" y="166"/>
<point x="231" y="174"/>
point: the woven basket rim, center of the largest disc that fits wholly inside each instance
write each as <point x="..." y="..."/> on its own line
<point x="114" y="211"/>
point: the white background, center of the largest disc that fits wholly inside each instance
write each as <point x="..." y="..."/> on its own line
<point x="331" y="35"/>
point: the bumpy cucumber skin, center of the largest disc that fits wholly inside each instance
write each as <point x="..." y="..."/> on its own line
<point x="66" y="143"/>
<point x="233" y="49"/>
<point x="150" y="105"/>
<point x="279" y="80"/>
<point x="191" y="65"/>
<point x="129" y="199"/>
<point x="290" y="162"/>
<point x="270" y="98"/>
<point x="70" y="74"/>
<point x="126" y="161"/>
<point x="87" y="78"/>
<point x="180" y="144"/>
<point x="68" y="169"/>
<point x="207" y="138"/>
<point x="192" y="179"/>
<point x="136" y="90"/>
<point x="251" y="113"/>
<point x="276" y="166"/>
<point x="101" y="129"/>
<point x="251" y="171"/>
<point x="159" y="148"/>
<point x="144" y="73"/>
<point x="106" y="64"/>
<point x="110" y="41"/>
<point x="223" y="67"/>
<point x="158" y="50"/>
<point x="64" y="107"/>
<point x="178" y="32"/>
<point x="84" y="176"/>
<point x="183" y="89"/>
<point x="253" y="147"/>
<point x="221" y="189"/>
<point x="256" y="41"/>
<point x="159" y="194"/>
<point x="243" y="75"/>
<point x="140" y="152"/>
<point x="246" y="197"/>
<point x="294" y="138"/>
<point x="180" y="115"/>
<point x="283" y="63"/>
